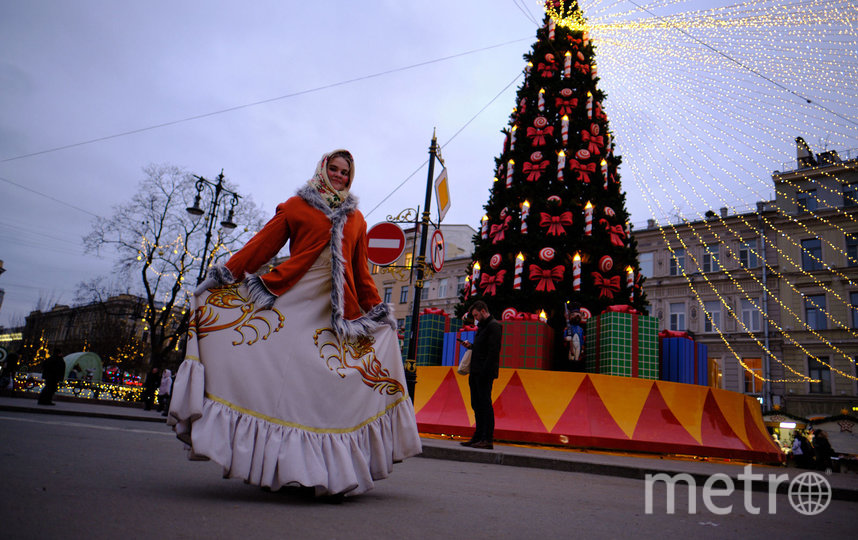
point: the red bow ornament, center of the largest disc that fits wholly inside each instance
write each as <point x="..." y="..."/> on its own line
<point x="583" y="68"/>
<point x="497" y="231"/>
<point x="546" y="278"/>
<point x="546" y="70"/>
<point x="616" y="231"/>
<point x="556" y="224"/>
<point x="537" y="136"/>
<point x="607" y="286"/>
<point x="595" y="143"/>
<point x="565" y="106"/>
<point x="535" y="170"/>
<point x="583" y="170"/>
<point x="489" y="283"/>
<point x="598" y="113"/>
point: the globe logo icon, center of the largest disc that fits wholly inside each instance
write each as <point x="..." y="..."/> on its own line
<point x="809" y="493"/>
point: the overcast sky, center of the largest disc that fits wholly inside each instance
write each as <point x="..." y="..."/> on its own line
<point x="74" y="71"/>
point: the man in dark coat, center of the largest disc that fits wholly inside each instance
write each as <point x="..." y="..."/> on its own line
<point x="485" y="362"/>
<point x="53" y="371"/>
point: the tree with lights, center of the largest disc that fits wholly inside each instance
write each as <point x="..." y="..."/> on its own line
<point x="556" y="230"/>
<point x="154" y="235"/>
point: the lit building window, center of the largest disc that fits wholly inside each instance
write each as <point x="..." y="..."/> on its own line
<point x="753" y="385"/>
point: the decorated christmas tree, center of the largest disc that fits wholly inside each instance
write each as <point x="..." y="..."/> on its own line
<point x="556" y="231"/>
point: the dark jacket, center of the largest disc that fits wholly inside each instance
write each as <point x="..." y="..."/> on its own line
<point x="53" y="368"/>
<point x="485" y="352"/>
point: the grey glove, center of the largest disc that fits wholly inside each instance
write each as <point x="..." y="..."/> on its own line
<point x="207" y="284"/>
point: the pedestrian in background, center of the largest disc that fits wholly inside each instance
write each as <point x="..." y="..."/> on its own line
<point x="823" y="451"/>
<point x="53" y="371"/>
<point x="485" y="364"/>
<point x="164" y="391"/>
<point x="7" y="374"/>
<point x="153" y="380"/>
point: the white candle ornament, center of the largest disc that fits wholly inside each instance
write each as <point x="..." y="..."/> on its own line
<point x="519" y="264"/>
<point x="564" y="130"/>
<point x="576" y="272"/>
<point x="540" y="104"/>
<point x="567" y="65"/>
<point x="525" y="211"/>
<point x="588" y="219"/>
<point x="561" y="164"/>
<point x="510" y="168"/>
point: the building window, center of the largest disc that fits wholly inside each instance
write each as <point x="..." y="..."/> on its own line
<point x="442" y="288"/>
<point x="814" y="312"/>
<point x="806" y="200"/>
<point x="748" y="253"/>
<point x="403" y="294"/>
<point x="852" y="249"/>
<point x="388" y="294"/>
<point x="677" y="317"/>
<point x="853" y="299"/>
<point x="376" y="269"/>
<point x="677" y="262"/>
<point x="646" y="264"/>
<point x="750" y="315"/>
<point x="710" y="258"/>
<point x="460" y="285"/>
<point x="754" y="368"/>
<point x="712" y="321"/>
<point x="811" y="254"/>
<point x="409" y="257"/>
<point x="817" y="370"/>
<point x="424" y="292"/>
<point x="850" y="197"/>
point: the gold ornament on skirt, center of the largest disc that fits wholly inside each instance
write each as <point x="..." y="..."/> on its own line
<point x="230" y="299"/>
<point x="360" y="348"/>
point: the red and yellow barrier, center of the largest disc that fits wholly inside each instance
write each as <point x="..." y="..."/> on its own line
<point x="587" y="410"/>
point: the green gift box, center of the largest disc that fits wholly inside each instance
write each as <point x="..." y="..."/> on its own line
<point x="623" y="343"/>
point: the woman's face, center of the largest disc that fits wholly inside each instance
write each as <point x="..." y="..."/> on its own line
<point x="338" y="172"/>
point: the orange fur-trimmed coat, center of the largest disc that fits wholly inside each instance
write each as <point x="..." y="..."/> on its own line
<point x="310" y="225"/>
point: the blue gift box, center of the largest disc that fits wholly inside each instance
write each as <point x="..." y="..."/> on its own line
<point x="684" y="361"/>
<point x="453" y="350"/>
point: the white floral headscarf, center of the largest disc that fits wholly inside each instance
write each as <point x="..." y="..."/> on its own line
<point x="322" y="183"/>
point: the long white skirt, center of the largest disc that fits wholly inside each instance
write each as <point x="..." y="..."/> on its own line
<point x="277" y="398"/>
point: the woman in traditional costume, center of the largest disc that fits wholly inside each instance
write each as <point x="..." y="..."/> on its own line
<point x="294" y="377"/>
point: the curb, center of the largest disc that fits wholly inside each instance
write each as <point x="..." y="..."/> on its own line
<point x="603" y="469"/>
<point x="91" y="414"/>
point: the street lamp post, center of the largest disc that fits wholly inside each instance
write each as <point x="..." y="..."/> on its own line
<point x="217" y="189"/>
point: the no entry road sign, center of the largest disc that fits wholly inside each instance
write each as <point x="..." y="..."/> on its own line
<point x="386" y="242"/>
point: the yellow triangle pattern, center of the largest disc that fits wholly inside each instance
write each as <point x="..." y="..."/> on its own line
<point x="550" y="405"/>
<point x="465" y="390"/>
<point x="733" y="410"/>
<point x="429" y="378"/>
<point x="624" y="401"/>
<point x="685" y="401"/>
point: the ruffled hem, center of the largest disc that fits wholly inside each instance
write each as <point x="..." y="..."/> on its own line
<point x="273" y="455"/>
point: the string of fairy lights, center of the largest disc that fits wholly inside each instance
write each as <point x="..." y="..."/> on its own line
<point x="751" y="298"/>
<point x="724" y="92"/>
